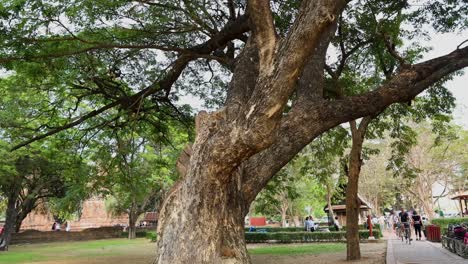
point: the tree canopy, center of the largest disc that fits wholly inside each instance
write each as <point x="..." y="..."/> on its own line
<point x="266" y="66"/>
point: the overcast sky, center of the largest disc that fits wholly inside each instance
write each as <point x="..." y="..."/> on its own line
<point x="443" y="44"/>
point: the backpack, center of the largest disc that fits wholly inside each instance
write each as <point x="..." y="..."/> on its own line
<point x="459" y="232"/>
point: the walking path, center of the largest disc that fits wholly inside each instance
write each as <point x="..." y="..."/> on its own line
<point x="399" y="252"/>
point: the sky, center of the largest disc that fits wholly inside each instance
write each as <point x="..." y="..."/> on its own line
<point x="443" y="44"/>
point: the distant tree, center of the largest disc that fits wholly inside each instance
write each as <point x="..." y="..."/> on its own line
<point x="279" y="195"/>
<point x="136" y="173"/>
<point x="31" y="176"/>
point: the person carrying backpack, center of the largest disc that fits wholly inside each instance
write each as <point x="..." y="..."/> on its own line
<point x="418" y="225"/>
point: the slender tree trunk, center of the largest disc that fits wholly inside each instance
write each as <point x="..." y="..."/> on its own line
<point x="26" y="206"/>
<point x="18" y="225"/>
<point x="352" y="210"/>
<point x="20" y="216"/>
<point x="352" y="200"/>
<point x="331" y="214"/>
<point x="283" y="218"/>
<point x="428" y="208"/>
<point x="9" y="227"/>
<point x="132" y="225"/>
<point x="284" y="206"/>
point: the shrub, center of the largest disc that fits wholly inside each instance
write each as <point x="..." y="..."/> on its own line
<point x="151" y="236"/>
<point x="444" y="222"/>
<point x="301" y="229"/>
<point x="361" y="227"/>
<point x="290" y="237"/>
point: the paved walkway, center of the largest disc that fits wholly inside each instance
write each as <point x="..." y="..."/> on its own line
<point x="399" y="252"/>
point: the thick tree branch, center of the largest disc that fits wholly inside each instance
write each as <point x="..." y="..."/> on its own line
<point x="263" y="32"/>
<point x="277" y="82"/>
<point x="306" y="121"/>
<point x="311" y="81"/>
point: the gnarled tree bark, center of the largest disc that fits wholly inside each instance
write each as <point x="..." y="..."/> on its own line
<point x="201" y="220"/>
<point x="240" y="147"/>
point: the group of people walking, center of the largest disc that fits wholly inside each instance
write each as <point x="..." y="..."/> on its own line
<point x="57" y="227"/>
<point x="310" y="225"/>
<point x="402" y="223"/>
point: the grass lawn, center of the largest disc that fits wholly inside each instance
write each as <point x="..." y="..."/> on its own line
<point x="299" y="249"/>
<point x="123" y="251"/>
<point x="83" y="250"/>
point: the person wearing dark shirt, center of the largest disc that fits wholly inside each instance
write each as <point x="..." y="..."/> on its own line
<point x="403" y="216"/>
<point x="405" y="221"/>
<point x="417" y="223"/>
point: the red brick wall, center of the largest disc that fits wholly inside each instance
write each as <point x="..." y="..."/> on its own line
<point x="33" y="236"/>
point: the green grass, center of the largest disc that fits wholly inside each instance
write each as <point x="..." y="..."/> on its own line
<point x="75" y="250"/>
<point x="13" y="258"/>
<point x="299" y="249"/>
<point x="130" y="251"/>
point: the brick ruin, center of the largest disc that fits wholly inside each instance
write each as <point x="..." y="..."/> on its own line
<point x="93" y="215"/>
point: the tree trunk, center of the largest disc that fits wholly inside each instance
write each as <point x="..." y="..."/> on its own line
<point x="132" y="225"/>
<point x="203" y="222"/>
<point x="9" y="222"/>
<point x="18" y="225"/>
<point x="428" y="208"/>
<point x="20" y="216"/>
<point x="241" y="146"/>
<point x="331" y="214"/>
<point x="283" y="219"/>
<point x="24" y="208"/>
<point x="352" y="200"/>
<point x="352" y="211"/>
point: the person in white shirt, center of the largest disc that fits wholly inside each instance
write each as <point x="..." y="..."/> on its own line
<point x="311" y="224"/>
<point x="336" y="224"/>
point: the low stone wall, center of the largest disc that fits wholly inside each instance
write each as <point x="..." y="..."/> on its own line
<point x="34" y="236"/>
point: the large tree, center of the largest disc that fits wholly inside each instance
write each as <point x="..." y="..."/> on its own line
<point x="118" y="59"/>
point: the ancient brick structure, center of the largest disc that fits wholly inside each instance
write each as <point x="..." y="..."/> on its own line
<point x="93" y="215"/>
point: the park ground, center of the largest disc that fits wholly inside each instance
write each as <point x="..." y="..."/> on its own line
<point x="140" y="251"/>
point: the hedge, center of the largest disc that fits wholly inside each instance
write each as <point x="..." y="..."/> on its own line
<point x="304" y="237"/>
<point x="361" y="227"/>
<point x="444" y="222"/>
<point x="151" y="235"/>
<point x="137" y="233"/>
<point x="301" y="229"/>
<point x="278" y="229"/>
